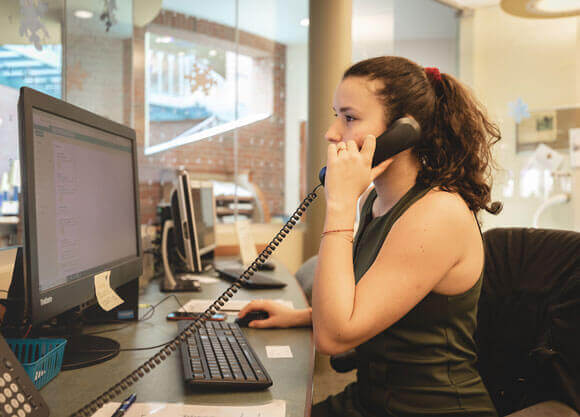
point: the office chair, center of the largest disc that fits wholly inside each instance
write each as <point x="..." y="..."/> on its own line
<point x="528" y="333"/>
<point x="528" y="330"/>
<point x="305" y="276"/>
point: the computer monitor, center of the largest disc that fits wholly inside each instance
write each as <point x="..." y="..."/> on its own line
<point x="180" y="261"/>
<point x="183" y="219"/>
<point x="204" y="211"/>
<point x="193" y="231"/>
<point x="80" y="204"/>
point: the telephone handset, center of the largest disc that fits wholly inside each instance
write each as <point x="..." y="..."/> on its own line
<point x="403" y="134"/>
<point x="18" y="395"/>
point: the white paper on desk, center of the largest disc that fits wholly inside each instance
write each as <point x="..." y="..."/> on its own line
<point x="199" y="306"/>
<point x="246" y="242"/>
<point x="106" y="296"/>
<point x="278" y="352"/>
<point x="276" y="408"/>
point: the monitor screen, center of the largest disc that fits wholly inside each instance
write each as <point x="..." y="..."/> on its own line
<point x="204" y="209"/>
<point x="84" y="199"/>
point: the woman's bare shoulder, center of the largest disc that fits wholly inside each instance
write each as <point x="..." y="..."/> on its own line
<point x="447" y="203"/>
<point x="443" y="207"/>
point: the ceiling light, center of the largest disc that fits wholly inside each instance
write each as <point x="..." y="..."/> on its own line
<point x="83" y="14"/>
<point x="1" y="122"/>
<point x="555" y="6"/>
<point x="305" y="22"/>
<point x="212" y="52"/>
<point x="541" y="9"/>
<point x="164" y="39"/>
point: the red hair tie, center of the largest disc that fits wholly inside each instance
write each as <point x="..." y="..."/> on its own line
<point x="433" y="74"/>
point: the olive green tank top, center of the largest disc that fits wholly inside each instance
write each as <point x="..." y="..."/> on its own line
<point x="424" y="364"/>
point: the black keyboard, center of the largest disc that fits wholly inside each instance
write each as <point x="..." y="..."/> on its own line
<point x="219" y="356"/>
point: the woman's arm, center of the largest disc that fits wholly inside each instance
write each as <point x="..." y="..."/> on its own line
<point x="423" y="245"/>
<point x="279" y="315"/>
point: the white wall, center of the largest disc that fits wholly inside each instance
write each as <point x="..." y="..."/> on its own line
<point x="426" y="32"/>
<point x="296" y="112"/>
<point x="503" y="57"/>
<point x="372" y="31"/>
<point x="440" y="53"/>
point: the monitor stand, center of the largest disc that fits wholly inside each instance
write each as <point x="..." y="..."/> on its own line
<point x="84" y="350"/>
<point x="180" y="282"/>
<point x="175" y="282"/>
<point x="81" y="350"/>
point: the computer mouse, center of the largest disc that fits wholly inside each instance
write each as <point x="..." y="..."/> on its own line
<point x="252" y="315"/>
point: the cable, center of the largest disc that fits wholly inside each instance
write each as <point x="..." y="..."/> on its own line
<point x="145" y="348"/>
<point x="145" y="317"/>
<point x="28" y="331"/>
<point x="111" y="330"/>
<point x="90" y="408"/>
<point x="152" y="308"/>
<point x="123" y="350"/>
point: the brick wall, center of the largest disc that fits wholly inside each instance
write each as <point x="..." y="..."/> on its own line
<point x="95" y="75"/>
<point x="260" y="145"/>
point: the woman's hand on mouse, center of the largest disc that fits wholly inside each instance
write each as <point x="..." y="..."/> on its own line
<point x="280" y="315"/>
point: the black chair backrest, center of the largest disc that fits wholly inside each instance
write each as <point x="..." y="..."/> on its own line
<point x="528" y="333"/>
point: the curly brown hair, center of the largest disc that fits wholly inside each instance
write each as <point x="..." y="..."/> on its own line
<point x="457" y="136"/>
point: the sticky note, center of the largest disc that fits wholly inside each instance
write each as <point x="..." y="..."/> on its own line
<point x="106" y="296"/>
<point x="276" y="352"/>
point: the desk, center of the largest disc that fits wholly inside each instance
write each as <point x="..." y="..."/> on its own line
<point x="292" y="378"/>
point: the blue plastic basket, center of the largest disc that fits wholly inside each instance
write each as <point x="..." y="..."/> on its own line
<point x="40" y="358"/>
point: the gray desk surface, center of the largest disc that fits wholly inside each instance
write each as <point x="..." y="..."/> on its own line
<point x="292" y="378"/>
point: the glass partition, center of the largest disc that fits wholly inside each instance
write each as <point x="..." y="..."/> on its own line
<point x="218" y="79"/>
<point x="31" y="54"/>
<point x="218" y="89"/>
<point x="98" y="56"/>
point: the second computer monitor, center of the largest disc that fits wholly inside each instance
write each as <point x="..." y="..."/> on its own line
<point x="204" y="212"/>
<point x="182" y="211"/>
<point x="194" y="213"/>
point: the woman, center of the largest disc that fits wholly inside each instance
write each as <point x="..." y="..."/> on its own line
<point x="408" y="301"/>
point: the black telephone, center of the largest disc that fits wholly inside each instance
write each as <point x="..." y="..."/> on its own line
<point x="403" y="134"/>
<point x="18" y="395"/>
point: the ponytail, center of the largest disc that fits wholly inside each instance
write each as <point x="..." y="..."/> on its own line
<point x="455" y="148"/>
<point x="456" y="152"/>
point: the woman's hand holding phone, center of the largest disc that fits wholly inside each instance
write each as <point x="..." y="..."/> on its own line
<point x="349" y="171"/>
<point x="279" y="315"/>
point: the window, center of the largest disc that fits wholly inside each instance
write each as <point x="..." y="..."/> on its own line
<point x="193" y="93"/>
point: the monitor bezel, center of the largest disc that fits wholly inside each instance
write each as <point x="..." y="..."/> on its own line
<point x="43" y="306"/>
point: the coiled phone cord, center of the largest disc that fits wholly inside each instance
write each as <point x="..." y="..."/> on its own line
<point x="216" y="306"/>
